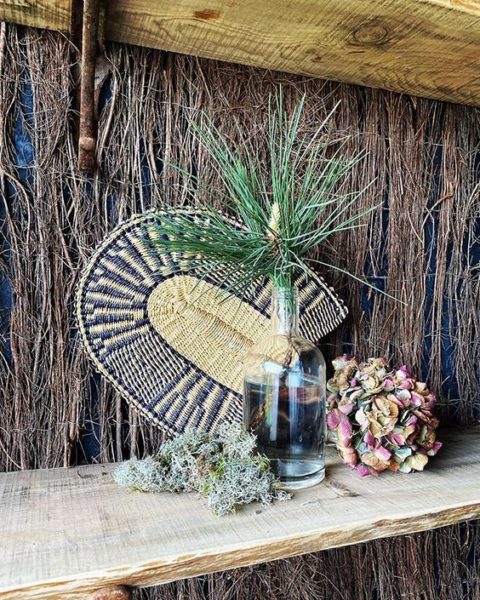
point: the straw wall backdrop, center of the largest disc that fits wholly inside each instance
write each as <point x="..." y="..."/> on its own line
<point x="422" y="245"/>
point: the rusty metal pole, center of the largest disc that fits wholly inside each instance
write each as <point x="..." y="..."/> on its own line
<point x="88" y="123"/>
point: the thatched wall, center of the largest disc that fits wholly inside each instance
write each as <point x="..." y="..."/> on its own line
<point x="423" y="246"/>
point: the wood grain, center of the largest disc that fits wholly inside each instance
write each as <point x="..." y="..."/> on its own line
<point x="429" y="48"/>
<point x="69" y="532"/>
<point x="48" y="14"/>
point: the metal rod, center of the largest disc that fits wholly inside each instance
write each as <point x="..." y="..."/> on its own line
<point x="117" y="592"/>
<point x="88" y="124"/>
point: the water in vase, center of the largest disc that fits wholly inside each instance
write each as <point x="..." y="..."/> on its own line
<point x="286" y="412"/>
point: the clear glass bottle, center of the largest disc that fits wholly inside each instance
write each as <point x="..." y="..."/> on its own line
<point x="284" y="397"/>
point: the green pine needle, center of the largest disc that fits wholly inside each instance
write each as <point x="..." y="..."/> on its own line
<point x="284" y="211"/>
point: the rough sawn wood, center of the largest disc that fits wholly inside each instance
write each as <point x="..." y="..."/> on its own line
<point x="427" y="48"/>
<point x="69" y="532"/>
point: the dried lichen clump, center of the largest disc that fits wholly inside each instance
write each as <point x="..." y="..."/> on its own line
<point x="224" y="468"/>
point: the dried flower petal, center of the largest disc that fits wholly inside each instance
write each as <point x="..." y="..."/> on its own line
<point x="417" y="461"/>
<point x="333" y="419"/>
<point x="382" y="453"/>
<point x="402" y="372"/>
<point x="344" y="432"/>
<point x="434" y="449"/>
<point x="363" y="470"/>
<point x="381" y="420"/>
<point x="404" y="396"/>
<point x="388" y="384"/>
<point x="345" y="408"/>
<point x="394" y="466"/>
<point x="349" y="456"/>
<point x="369" y="439"/>
<point x="373" y="461"/>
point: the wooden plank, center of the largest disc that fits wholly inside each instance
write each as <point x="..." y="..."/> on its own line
<point x="428" y="48"/>
<point x="425" y="47"/>
<point x="49" y="14"/>
<point x="67" y="532"/>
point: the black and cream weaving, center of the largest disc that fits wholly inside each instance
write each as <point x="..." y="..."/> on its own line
<point x="164" y="336"/>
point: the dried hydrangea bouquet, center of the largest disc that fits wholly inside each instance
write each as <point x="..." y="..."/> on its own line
<point x="381" y="419"/>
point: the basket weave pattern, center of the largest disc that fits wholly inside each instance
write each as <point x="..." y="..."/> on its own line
<point x="167" y="338"/>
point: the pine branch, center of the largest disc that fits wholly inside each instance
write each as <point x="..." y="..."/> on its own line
<point x="279" y="209"/>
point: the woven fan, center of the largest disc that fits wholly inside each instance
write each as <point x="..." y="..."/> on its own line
<point x="167" y="338"/>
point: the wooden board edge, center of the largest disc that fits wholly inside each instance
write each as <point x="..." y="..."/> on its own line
<point x="186" y="566"/>
<point x="58" y="16"/>
<point x="42" y="14"/>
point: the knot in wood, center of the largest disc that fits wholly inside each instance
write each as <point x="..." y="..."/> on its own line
<point x="370" y="34"/>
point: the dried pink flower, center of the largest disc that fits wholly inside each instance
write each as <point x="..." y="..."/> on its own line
<point x="380" y="419"/>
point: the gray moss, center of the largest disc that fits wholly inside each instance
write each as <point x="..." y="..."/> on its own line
<point x="225" y="469"/>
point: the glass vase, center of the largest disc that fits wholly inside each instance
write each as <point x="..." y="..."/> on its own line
<point x="284" y="397"/>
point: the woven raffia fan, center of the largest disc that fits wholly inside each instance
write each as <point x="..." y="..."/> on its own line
<point x="167" y="339"/>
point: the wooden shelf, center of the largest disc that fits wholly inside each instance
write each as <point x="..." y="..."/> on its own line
<point x="67" y="532"/>
<point x="429" y="48"/>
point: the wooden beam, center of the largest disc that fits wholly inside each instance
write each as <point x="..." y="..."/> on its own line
<point x="48" y="14"/>
<point x="68" y="532"/>
<point x="427" y="48"/>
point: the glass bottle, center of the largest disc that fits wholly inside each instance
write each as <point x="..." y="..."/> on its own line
<point x="284" y="397"/>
